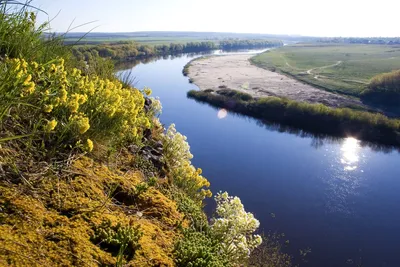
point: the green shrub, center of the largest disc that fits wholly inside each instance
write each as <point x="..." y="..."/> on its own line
<point x="384" y="88"/>
<point x="197" y="249"/>
<point x="193" y="210"/>
<point x="386" y="82"/>
<point x="235" y="94"/>
<point x="121" y="241"/>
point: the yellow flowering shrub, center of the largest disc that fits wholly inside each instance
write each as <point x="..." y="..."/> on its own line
<point x="64" y="106"/>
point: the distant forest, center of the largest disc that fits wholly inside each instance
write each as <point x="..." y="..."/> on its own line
<point x="361" y="40"/>
<point x="128" y="50"/>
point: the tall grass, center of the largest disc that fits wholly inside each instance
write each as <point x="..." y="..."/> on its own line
<point x="384" y="88"/>
<point x="20" y="38"/>
<point x="386" y="82"/>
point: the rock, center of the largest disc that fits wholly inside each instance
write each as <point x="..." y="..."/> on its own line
<point x="147" y="104"/>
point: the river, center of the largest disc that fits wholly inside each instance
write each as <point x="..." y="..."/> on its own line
<point x="338" y="197"/>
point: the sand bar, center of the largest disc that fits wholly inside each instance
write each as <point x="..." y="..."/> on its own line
<point x="236" y="72"/>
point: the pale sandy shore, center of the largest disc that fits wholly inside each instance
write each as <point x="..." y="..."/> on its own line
<point x="236" y="72"/>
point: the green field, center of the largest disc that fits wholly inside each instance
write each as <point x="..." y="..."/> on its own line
<point x="344" y="68"/>
<point x="140" y="40"/>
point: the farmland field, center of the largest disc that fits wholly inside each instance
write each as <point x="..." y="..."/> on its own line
<point x="343" y="68"/>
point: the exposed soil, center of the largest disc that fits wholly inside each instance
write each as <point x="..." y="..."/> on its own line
<point x="236" y="72"/>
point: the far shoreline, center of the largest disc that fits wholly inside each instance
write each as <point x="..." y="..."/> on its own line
<point x="237" y="73"/>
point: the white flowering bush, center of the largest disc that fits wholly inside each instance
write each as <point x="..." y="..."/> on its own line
<point x="177" y="157"/>
<point x="234" y="228"/>
<point x="176" y="149"/>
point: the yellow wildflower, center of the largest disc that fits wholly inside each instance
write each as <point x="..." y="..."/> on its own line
<point x="82" y="99"/>
<point x="50" y="126"/>
<point x="83" y="125"/>
<point x="29" y="89"/>
<point x="27" y="80"/>
<point x="24" y="64"/>
<point x="73" y="103"/>
<point x="17" y="65"/>
<point x="63" y="94"/>
<point x="134" y="131"/>
<point x="48" y="108"/>
<point x="89" y="145"/>
<point x="53" y="68"/>
<point x="147" y="91"/>
<point x="19" y="74"/>
<point x="56" y="101"/>
<point x="90" y="88"/>
<point x="35" y="65"/>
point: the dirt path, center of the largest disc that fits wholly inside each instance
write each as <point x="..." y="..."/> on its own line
<point x="324" y="67"/>
<point x="236" y="72"/>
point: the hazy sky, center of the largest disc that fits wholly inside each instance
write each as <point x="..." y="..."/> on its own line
<point x="305" y="17"/>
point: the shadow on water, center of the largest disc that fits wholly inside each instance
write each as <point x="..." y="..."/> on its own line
<point x="318" y="140"/>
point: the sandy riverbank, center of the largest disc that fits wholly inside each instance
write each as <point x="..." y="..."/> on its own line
<point x="236" y="72"/>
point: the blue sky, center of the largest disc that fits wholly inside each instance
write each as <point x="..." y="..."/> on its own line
<point x="305" y="17"/>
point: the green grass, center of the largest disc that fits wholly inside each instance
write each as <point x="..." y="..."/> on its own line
<point x="343" y="68"/>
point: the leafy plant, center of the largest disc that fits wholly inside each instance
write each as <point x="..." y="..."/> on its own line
<point x="122" y="241"/>
<point x="197" y="249"/>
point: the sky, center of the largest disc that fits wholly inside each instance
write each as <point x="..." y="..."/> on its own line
<point x="300" y="17"/>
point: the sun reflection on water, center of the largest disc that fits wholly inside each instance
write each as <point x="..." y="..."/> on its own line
<point x="345" y="177"/>
<point x="350" y="153"/>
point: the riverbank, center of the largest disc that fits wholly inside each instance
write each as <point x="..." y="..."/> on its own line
<point x="236" y="72"/>
<point x="316" y="118"/>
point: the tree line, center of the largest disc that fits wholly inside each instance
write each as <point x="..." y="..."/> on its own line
<point x="129" y="50"/>
<point x="361" y="40"/>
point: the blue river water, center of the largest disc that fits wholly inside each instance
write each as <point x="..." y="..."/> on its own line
<point x="338" y="197"/>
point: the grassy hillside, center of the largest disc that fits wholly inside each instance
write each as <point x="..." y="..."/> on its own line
<point x="89" y="176"/>
<point x="344" y="68"/>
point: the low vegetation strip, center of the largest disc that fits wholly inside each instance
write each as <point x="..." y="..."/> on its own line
<point x="384" y="88"/>
<point x="316" y="118"/>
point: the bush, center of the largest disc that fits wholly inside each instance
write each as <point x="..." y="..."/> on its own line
<point x="121" y="241"/>
<point x="51" y="109"/>
<point x="384" y="88"/>
<point x="177" y="157"/>
<point x="234" y="228"/>
<point x="386" y="82"/>
<point x="197" y="249"/>
<point x="235" y="94"/>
